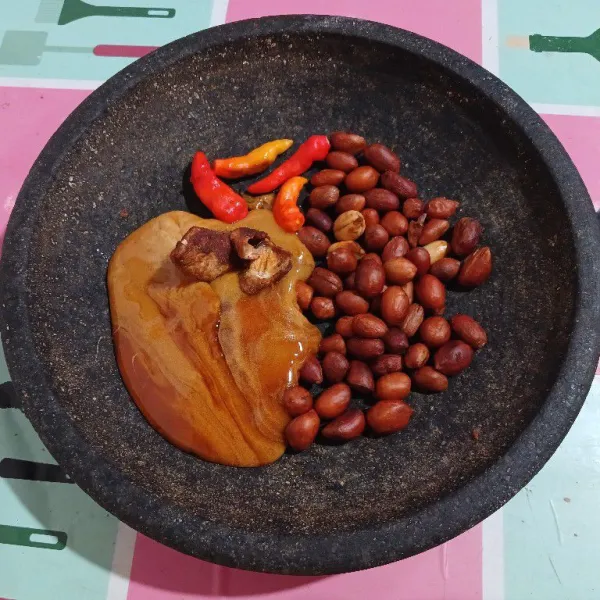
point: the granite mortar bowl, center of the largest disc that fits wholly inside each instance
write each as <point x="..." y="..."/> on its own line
<point x="461" y="133"/>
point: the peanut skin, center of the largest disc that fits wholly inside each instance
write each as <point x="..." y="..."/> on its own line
<point x="389" y="416"/>
<point x="346" y="427"/>
<point x="302" y="431"/>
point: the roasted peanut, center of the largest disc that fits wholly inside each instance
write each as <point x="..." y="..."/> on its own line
<point x="371" y="216"/>
<point x="453" y="357"/>
<point x="435" y="332"/>
<point x="350" y="282"/>
<point x="402" y="187"/>
<point x="437" y="250"/>
<point x="469" y="331"/>
<point x="394" y="304"/>
<point x="393" y="386"/>
<point x="386" y="363"/>
<point x="335" y="366"/>
<point x="349" y="226"/>
<point x="301" y="432"/>
<point x="343" y="326"/>
<point x="395" y="223"/>
<point x="360" y="378"/>
<point x="416" y="356"/>
<point x="361" y="179"/>
<point x="324" y="196"/>
<point x="350" y="202"/>
<point x="355" y="247"/>
<point x="327" y="177"/>
<point x="315" y="241"/>
<point x="333" y="401"/>
<point x="389" y="416"/>
<point x="363" y="348"/>
<point x="342" y="260"/>
<point x="382" y="158"/>
<point x="304" y="295"/>
<point x="297" y="400"/>
<point x="420" y="258"/>
<point x="370" y="276"/>
<point x="413" y="319"/>
<point x="409" y="290"/>
<point x="333" y="343"/>
<point x="397" y="247"/>
<point x="341" y="161"/>
<point x="433" y="230"/>
<point x="325" y="282"/>
<point x="414" y="232"/>
<point x="311" y="371"/>
<point x="430" y="380"/>
<point x="465" y="236"/>
<point x="445" y="269"/>
<point x="395" y="341"/>
<point x="347" y="426"/>
<point x="476" y="268"/>
<point x="317" y="218"/>
<point x="368" y="326"/>
<point x="441" y="208"/>
<point x="381" y="200"/>
<point x="431" y="292"/>
<point x="322" y="308"/>
<point x="399" y="271"/>
<point x="347" y="142"/>
<point x="413" y="208"/>
<point x="351" y="303"/>
<point x="376" y="237"/>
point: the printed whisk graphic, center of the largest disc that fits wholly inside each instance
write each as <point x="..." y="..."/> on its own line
<point x="67" y="11"/>
<point x="550" y="43"/>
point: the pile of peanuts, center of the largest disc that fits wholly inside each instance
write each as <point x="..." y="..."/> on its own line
<point x="385" y="284"/>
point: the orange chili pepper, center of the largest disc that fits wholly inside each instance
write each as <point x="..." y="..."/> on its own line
<point x="285" y="209"/>
<point x="252" y="163"/>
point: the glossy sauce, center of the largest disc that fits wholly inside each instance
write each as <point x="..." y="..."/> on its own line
<point x="206" y="364"/>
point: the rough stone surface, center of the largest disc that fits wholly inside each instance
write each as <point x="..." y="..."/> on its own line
<point x="460" y="133"/>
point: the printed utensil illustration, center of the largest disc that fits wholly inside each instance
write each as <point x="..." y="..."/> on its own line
<point x="32" y="538"/>
<point x="551" y="43"/>
<point x="25" y="48"/>
<point x="67" y="11"/>
<point x="14" y="468"/>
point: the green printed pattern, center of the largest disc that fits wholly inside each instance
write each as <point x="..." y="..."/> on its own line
<point x="558" y="63"/>
<point x="39" y="518"/>
<point x="585" y="45"/>
<point x="551" y="527"/>
<point x="55" y="39"/>
<point x="50" y="11"/>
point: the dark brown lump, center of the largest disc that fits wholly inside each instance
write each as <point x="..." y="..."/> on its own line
<point x="247" y="242"/>
<point x="272" y="265"/>
<point x="204" y="254"/>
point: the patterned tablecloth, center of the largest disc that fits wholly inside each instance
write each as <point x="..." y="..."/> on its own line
<point x="57" y="544"/>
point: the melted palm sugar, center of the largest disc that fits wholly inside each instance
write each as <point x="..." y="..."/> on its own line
<point x="205" y="363"/>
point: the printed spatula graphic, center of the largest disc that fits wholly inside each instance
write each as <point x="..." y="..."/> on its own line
<point x="551" y="43"/>
<point x="32" y="538"/>
<point x="67" y="11"/>
<point x="26" y="48"/>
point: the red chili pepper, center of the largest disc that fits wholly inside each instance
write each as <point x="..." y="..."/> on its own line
<point x="316" y="147"/>
<point x="225" y="204"/>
